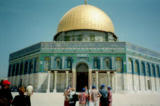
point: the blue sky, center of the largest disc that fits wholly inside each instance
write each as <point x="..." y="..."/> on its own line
<point x="26" y="22"/>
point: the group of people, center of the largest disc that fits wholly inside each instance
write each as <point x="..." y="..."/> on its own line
<point x="85" y="97"/>
<point x="88" y="97"/>
<point x="6" y="98"/>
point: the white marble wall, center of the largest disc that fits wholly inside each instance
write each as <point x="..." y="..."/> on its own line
<point x="61" y="80"/>
<point x="102" y="79"/>
<point x="142" y="83"/>
<point x="134" y="83"/>
<point x="120" y="84"/>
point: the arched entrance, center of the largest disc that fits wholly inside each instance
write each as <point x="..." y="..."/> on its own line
<point x="82" y="76"/>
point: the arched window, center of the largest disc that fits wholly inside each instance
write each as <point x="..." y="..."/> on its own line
<point x="17" y="68"/>
<point x="157" y="71"/>
<point x="35" y="64"/>
<point x="9" y="70"/>
<point x="58" y="63"/>
<point x="26" y="67"/>
<point x="108" y="63"/>
<point x="143" y="68"/>
<point x="119" y="64"/>
<point x="73" y="38"/>
<point x="13" y="70"/>
<point x="106" y="37"/>
<point x="79" y="38"/>
<point x="136" y="67"/>
<point x="96" y="63"/>
<point x="46" y="63"/>
<point x="148" y="73"/>
<point x="21" y="68"/>
<point x="130" y="65"/>
<point x="153" y="70"/>
<point x="67" y="38"/>
<point x="30" y="66"/>
<point x="92" y="37"/>
<point x="69" y="62"/>
<point x="147" y="69"/>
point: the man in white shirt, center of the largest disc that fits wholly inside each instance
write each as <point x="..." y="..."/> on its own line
<point x="29" y="90"/>
<point x="94" y="96"/>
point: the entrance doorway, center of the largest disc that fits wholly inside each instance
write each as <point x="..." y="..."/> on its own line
<point x="82" y="76"/>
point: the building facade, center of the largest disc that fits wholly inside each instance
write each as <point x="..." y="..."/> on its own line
<point x="85" y="52"/>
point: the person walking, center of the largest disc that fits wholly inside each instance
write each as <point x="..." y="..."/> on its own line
<point x="87" y="92"/>
<point x="109" y="97"/>
<point x="5" y="94"/>
<point x="29" y="91"/>
<point x="66" y="96"/>
<point x="103" y="99"/>
<point x="94" y="96"/>
<point x="73" y="97"/>
<point x="21" y="99"/>
<point x="82" y="97"/>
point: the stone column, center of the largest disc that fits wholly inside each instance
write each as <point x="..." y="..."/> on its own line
<point x="108" y="78"/>
<point x="133" y="75"/>
<point x="16" y="77"/>
<point x="66" y="79"/>
<point x="55" y="82"/>
<point x="146" y="77"/>
<point x="115" y="82"/>
<point x="74" y="78"/>
<point x="11" y="76"/>
<point x="139" y="76"/>
<point x="33" y="63"/>
<point x="112" y="81"/>
<point x="90" y="79"/>
<point x="97" y="80"/>
<point x="27" y="73"/>
<point x="48" y="86"/>
<point x="19" y="76"/>
<point x="125" y="76"/>
<point x="150" y="77"/>
<point x="157" y="78"/>
<point x="30" y="73"/>
<point x="155" y="81"/>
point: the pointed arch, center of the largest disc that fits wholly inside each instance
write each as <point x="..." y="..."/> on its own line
<point x="108" y="63"/>
<point x="58" y="62"/>
<point x="136" y="67"/>
<point x="96" y="63"/>
<point x="69" y="62"/>
<point x="130" y="66"/>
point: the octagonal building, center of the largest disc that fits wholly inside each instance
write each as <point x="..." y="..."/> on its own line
<point x="85" y="51"/>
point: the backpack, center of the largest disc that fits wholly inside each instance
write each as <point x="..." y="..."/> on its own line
<point x="104" y="95"/>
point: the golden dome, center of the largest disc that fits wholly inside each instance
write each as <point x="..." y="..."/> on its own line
<point x="85" y="17"/>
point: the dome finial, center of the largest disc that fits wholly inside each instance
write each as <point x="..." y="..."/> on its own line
<point x="85" y="1"/>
